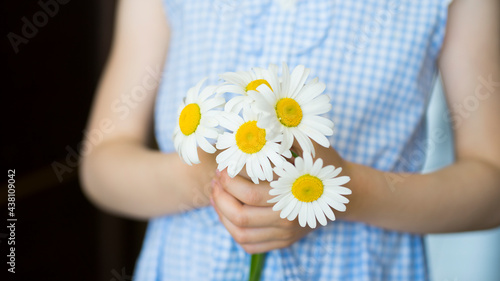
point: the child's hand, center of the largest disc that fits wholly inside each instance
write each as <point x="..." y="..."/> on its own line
<point x="243" y="209"/>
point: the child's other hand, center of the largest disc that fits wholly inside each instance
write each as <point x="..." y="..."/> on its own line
<point x="243" y="209"/>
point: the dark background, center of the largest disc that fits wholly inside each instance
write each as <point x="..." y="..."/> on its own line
<point x="47" y="88"/>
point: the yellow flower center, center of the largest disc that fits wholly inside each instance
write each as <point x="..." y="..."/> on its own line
<point x="307" y="188"/>
<point x="190" y="119"/>
<point x="289" y="112"/>
<point x="256" y="83"/>
<point x="250" y="138"/>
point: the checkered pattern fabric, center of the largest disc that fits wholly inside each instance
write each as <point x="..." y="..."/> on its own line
<point x="378" y="61"/>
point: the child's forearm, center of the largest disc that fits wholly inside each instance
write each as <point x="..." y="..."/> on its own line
<point x="461" y="197"/>
<point x="125" y="178"/>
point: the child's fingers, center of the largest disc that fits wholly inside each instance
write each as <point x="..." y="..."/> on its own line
<point x="246" y="191"/>
<point x="243" y="215"/>
<point x="255" y="248"/>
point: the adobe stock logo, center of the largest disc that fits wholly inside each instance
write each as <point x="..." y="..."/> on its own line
<point x="29" y="30"/>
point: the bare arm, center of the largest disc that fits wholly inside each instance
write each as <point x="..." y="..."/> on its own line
<point x="465" y="195"/>
<point x="119" y="173"/>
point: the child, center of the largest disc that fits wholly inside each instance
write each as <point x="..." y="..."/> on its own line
<point x="378" y="60"/>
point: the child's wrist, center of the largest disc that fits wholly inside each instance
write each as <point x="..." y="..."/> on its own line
<point x="357" y="185"/>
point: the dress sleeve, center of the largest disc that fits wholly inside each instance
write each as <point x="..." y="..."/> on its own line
<point x="173" y="10"/>
<point x="440" y="29"/>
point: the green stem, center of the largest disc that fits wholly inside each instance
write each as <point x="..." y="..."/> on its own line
<point x="257" y="262"/>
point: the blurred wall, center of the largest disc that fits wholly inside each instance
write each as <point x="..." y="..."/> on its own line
<point x="54" y="52"/>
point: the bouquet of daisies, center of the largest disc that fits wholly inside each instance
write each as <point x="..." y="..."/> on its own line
<point x="256" y="130"/>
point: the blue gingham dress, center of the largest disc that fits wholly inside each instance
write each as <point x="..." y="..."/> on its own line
<point x="378" y="61"/>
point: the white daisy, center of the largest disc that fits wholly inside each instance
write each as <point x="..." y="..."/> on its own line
<point x="197" y="121"/>
<point x="309" y="190"/>
<point x="240" y="83"/>
<point x="294" y="107"/>
<point x="247" y="144"/>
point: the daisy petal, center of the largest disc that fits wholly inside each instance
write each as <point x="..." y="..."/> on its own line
<point x="340" y="190"/>
<point x="275" y="158"/>
<point x="271" y="77"/>
<point x="278" y="171"/>
<point x="316" y="168"/>
<point x="204" y="144"/>
<point x="303" y="215"/>
<point x="231" y="104"/>
<point x="315" y="135"/>
<point x="337" y="181"/>
<point x="311" y="218"/>
<point x="230" y="121"/>
<point x="206" y="93"/>
<point x="326" y="209"/>
<point x="264" y="94"/>
<point x="225" y="140"/>
<point x="283" y="202"/>
<point x="257" y="169"/>
<point x="286" y="153"/>
<point x="297" y="80"/>
<point x="325" y="172"/>
<point x="282" y="184"/>
<point x="287" y="140"/>
<point x="335" y="173"/>
<point x="308" y="161"/>
<point x="236" y="165"/>
<point x="288" y="209"/>
<point x="177" y="141"/>
<point x="320" y="105"/>
<point x="310" y="91"/>
<point x="335" y="196"/>
<point x="278" y="191"/>
<point x="193" y="92"/>
<point x="304" y="142"/>
<point x="230" y="88"/>
<point x="285" y="81"/>
<point x="266" y="167"/>
<point x="322" y="124"/>
<point x="234" y="78"/>
<point x="225" y="155"/>
<point x="191" y="151"/>
<point x="211" y="104"/>
<point x="208" y="121"/>
<point x="299" y="164"/>
<point x="210" y="133"/>
<point x="319" y="213"/>
<point x="334" y="204"/>
<point x="293" y="214"/>
<point x="276" y="199"/>
<point x="318" y="127"/>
